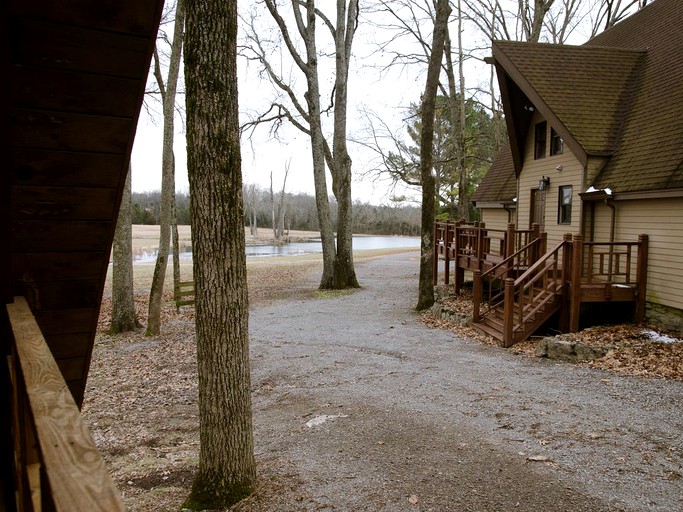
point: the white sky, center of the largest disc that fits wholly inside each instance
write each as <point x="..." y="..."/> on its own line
<point x="388" y="94"/>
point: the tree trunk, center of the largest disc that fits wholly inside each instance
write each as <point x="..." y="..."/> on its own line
<point x="344" y="272"/>
<point x="123" y="317"/>
<point x="426" y="289"/>
<point x="463" y="181"/>
<point x="168" y="174"/>
<point x="318" y="150"/>
<point x="226" y="471"/>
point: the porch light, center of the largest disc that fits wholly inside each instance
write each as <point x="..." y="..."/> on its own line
<point x="544" y="183"/>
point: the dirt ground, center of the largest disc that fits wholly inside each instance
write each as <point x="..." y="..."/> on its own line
<point x="360" y="406"/>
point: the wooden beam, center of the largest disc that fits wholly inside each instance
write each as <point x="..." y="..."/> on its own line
<point x="76" y="474"/>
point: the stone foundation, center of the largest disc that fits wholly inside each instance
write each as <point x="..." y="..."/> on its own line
<point x="664" y="316"/>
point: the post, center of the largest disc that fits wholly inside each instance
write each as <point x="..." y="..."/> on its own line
<point x="435" y="273"/>
<point x="459" y="273"/>
<point x="508" y="312"/>
<point x="476" y="295"/>
<point x="509" y="240"/>
<point x="535" y="234"/>
<point x="575" y="283"/>
<point x="566" y="272"/>
<point x="479" y="249"/>
<point x="446" y="253"/>
<point x="641" y="276"/>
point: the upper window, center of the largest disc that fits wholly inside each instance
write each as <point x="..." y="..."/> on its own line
<point x="556" y="143"/>
<point x="540" y="140"/>
<point x="564" y="208"/>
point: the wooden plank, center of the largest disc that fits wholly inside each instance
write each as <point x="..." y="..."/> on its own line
<point x="61" y="294"/>
<point x="29" y="236"/>
<point x="35" y="203"/>
<point x="59" y="266"/>
<point x="57" y="168"/>
<point x="138" y="18"/>
<point x="55" y="89"/>
<point x="77" y="476"/>
<point x="66" y="321"/>
<point x="71" y="132"/>
<point x="67" y="346"/>
<point x="72" y="368"/>
<point x="40" y="43"/>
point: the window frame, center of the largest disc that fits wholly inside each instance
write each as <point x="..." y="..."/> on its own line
<point x="564" y="209"/>
<point x="556" y="143"/>
<point x="540" y="140"/>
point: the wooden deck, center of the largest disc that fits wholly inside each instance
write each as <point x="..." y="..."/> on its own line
<point x="518" y="284"/>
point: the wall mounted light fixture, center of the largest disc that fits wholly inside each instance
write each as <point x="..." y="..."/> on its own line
<point x="544" y="183"/>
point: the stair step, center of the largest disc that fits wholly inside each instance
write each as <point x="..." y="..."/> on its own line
<point x="488" y="330"/>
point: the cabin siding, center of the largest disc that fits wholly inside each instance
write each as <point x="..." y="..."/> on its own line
<point x="495" y="218"/>
<point x="661" y="220"/>
<point x="571" y="173"/>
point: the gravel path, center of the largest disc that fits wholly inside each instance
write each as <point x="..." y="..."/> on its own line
<point x="359" y="406"/>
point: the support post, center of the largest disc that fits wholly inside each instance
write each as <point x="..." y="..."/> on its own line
<point x="447" y="254"/>
<point x="509" y="240"/>
<point x="575" y="283"/>
<point x="641" y="276"/>
<point x="564" y="276"/>
<point x="477" y="292"/>
<point x="508" y="312"/>
<point x="435" y="273"/>
<point x="459" y="272"/>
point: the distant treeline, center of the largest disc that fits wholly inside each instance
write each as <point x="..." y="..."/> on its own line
<point x="300" y="213"/>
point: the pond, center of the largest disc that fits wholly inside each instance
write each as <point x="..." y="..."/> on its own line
<point x="360" y="243"/>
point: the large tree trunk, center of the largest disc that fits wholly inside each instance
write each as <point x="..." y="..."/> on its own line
<point x="123" y="317"/>
<point x="322" y="202"/>
<point x="425" y="288"/>
<point x="168" y="174"/>
<point x="226" y="470"/>
<point x="344" y="271"/>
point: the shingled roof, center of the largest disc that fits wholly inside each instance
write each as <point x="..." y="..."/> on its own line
<point x="499" y="184"/>
<point x="619" y="96"/>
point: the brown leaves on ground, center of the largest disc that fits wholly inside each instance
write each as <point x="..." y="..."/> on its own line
<point x="639" y="350"/>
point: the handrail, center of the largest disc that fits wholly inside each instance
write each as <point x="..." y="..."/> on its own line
<point x="538" y="263"/>
<point x="510" y="258"/>
<point x="45" y="411"/>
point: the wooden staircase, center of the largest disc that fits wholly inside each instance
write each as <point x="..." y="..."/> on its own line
<point x="532" y="292"/>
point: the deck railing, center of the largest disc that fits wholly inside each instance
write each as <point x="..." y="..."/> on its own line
<point x="478" y="245"/>
<point x="57" y="466"/>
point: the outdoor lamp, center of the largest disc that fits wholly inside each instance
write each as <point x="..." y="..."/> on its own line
<point x="544" y="183"/>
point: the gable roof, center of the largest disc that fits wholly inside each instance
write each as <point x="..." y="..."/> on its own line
<point x="559" y="78"/>
<point x="499" y="184"/>
<point x="619" y="96"/>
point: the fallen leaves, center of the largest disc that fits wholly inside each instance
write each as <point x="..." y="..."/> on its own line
<point x="637" y="350"/>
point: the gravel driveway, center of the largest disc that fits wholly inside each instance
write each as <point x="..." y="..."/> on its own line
<point x="359" y="406"/>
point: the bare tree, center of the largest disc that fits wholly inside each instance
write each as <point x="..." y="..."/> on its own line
<point x="426" y="290"/>
<point x="226" y="471"/>
<point x="306" y="115"/>
<point x="611" y="12"/>
<point x="123" y="317"/>
<point x="168" y="93"/>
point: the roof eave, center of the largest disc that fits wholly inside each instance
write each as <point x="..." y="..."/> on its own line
<point x="505" y="64"/>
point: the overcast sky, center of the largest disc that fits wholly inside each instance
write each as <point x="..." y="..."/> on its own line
<point x="387" y="93"/>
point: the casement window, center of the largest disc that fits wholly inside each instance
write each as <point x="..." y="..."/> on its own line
<point x="540" y="140"/>
<point x="564" y="207"/>
<point x="556" y="143"/>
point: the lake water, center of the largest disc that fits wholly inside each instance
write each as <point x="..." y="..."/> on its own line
<point x="314" y="246"/>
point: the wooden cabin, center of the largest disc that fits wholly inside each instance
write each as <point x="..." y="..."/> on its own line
<point x="75" y="82"/>
<point x="595" y="151"/>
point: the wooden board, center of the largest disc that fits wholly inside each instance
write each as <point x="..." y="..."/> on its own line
<point x="76" y="473"/>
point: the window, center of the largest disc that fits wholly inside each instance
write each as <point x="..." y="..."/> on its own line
<point x="564" y="209"/>
<point x="556" y="143"/>
<point x="540" y="140"/>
